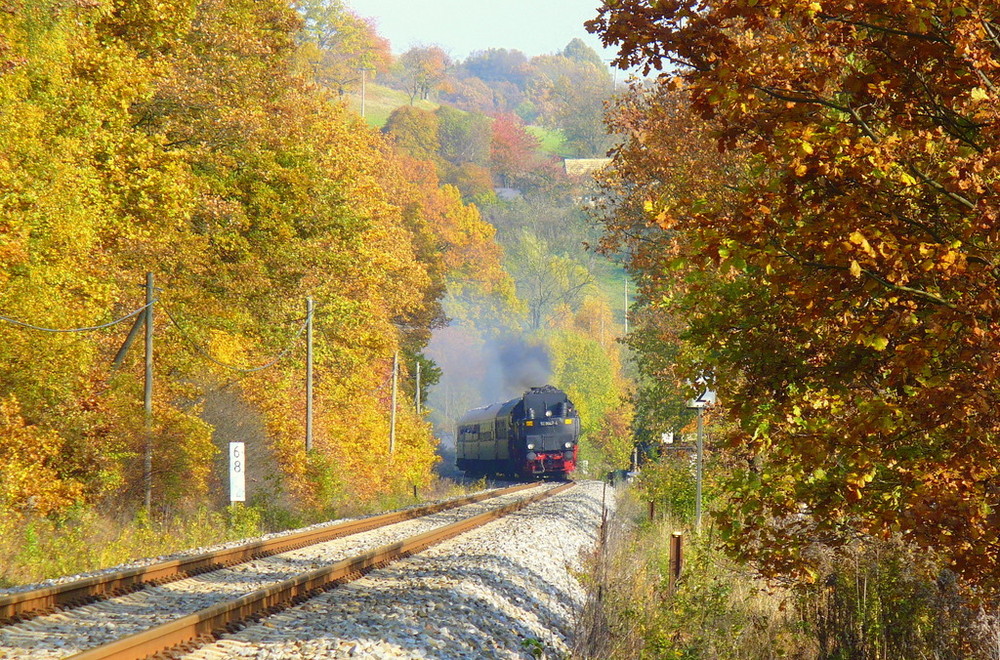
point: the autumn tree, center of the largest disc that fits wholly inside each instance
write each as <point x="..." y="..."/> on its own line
<point x="512" y="149"/>
<point x="76" y="175"/>
<point x="464" y="137"/>
<point x="475" y="182"/>
<point x="580" y="52"/>
<point x="180" y="139"/>
<point x="415" y="131"/>
<point x="588" y="360"/>
<point x="421" y="69"/>
<point x="570" y="93"/>
<point x="550" y="284"/>
<point x="850" y="325"/>
<point x="338" y="46"/>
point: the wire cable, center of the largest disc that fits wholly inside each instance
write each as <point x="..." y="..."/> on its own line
<point x="88" y="329"/>
<point x="244" y="370"/>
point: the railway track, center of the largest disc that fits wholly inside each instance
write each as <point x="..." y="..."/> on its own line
<point x="175" y="602"/>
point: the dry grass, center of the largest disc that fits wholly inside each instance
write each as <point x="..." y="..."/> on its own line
<point x="718" y="609"/>
<point x="86" y="539"/>
<point x="877" y="600"/>
<point x="83" y="540"/>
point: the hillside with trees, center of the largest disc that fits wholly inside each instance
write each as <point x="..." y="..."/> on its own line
<point x="566" y="307"/>
<point x="564" y="92"/>
<point x="560" y="310"/>
<point x="213" y="146"/>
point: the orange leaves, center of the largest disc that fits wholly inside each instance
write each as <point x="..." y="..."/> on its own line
<point x="857" y="238"/>
<point x="661" y="217"/>
<point x="854" y="180"/>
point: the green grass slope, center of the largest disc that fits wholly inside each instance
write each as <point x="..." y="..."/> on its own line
<point x="552" y="142"/>
<point x="380" y="101"/>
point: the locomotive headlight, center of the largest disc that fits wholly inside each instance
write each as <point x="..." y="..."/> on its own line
<point x="531" y="446"/>
<point x="548" y="413"/>
<point x="569" y="445"/>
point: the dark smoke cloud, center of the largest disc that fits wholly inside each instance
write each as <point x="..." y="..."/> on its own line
<point x="478" y="372"/>
<point x="519" y="366"/>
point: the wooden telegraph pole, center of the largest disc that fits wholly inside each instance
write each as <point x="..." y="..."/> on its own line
<point x="147" y="472"/>
<point x="309" y="374"/>
<point x="392" y="419"/>
<point x="418" y="387"/>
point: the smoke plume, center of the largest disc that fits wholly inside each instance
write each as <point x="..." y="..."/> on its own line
<point x="513" y="367"/>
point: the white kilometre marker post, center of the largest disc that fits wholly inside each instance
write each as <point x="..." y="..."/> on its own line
<point x="237" y="472"/>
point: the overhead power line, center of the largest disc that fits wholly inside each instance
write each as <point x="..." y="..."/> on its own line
<point x="245" y="370"/>
<point x="87" y="329"/>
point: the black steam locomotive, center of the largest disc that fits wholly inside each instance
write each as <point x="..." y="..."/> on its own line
<point x="533" y="436"/>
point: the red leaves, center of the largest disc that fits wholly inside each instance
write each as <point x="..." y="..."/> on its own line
<point x="512" y="149"/>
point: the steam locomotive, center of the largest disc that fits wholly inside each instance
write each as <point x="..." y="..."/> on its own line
<point x="530" y="437"/>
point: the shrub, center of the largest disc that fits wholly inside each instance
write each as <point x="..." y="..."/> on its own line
<point x="877" y="599"/>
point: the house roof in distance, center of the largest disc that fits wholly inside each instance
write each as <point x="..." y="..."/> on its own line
<point x="584" y="166"/>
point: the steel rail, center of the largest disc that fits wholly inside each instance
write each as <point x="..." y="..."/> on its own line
<point x="216" y="617"/>
<point x="27" y="604"/>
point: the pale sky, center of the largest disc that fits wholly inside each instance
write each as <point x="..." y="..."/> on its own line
<point x="535" y="27"/>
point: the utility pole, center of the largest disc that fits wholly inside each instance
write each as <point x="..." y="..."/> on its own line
<point x="147" y="472"/>
<point x="626" y="305"/>
<point x="699" y="446"/>
<point x="418" y="387"/>
<point x="363" y="76"/>
<point x="309" y="374"/>
<point x="392" y="419"/>
<point x="140" y="322"/>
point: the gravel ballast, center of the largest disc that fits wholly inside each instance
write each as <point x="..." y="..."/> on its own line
<point x="505" y="590"/>
<point x="64" y="633"/>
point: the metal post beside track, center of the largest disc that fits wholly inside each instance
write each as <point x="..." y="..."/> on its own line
<point x="676" y="560"/>
<point x="700" y="446"/>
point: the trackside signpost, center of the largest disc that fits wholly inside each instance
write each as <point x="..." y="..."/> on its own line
<point x="699" y="404"/>
<point x="237" y="472"/>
